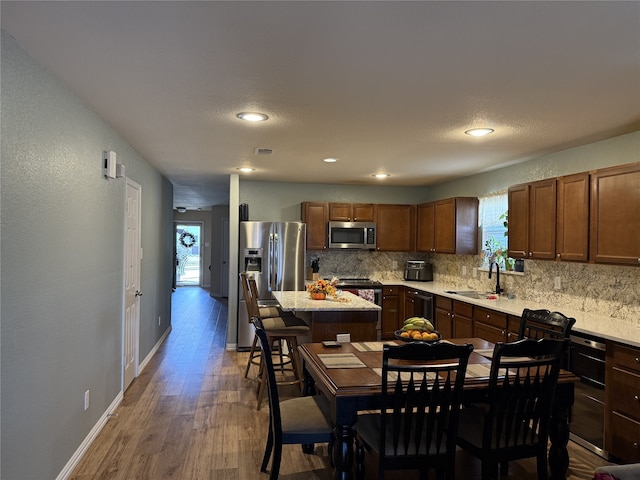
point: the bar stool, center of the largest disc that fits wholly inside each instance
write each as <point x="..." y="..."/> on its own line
<point x="268" y="311"/>
<point x="281" y="331"/>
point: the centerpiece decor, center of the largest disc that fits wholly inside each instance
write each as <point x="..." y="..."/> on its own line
<point x="319" y="289"/>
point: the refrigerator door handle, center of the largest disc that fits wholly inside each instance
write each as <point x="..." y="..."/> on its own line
<point x="275" y="281"/>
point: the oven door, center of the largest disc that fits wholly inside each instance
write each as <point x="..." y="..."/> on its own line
<point x="587" y="361"/>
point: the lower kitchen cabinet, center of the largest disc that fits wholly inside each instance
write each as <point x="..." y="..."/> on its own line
<point x="444" y="316"/>
<point x="622" y="402"/>
<point x="462" y="319"/>
<point x="513" y="328"/>
<point x="392" y="311"/>
<point x="489" y="324"/>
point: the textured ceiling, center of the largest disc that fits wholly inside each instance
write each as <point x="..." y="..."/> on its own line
<point x="382" y="86"/>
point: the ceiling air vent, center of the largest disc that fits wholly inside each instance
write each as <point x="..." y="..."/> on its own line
<point x="263" y="151"/>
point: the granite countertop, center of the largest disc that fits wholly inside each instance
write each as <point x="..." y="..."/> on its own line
<point x="604" y="327"/>
<point x="301" y="302"/>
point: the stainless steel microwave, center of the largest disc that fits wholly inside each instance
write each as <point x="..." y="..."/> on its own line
<point x="355" y="235"/>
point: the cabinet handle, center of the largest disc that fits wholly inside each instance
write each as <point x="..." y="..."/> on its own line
<point x="530" y="254"/>
<point x="637" y="359"/>
<point x="488" y="317"/>
<point x="558" y="255"/>
<point x="635" y="444"/>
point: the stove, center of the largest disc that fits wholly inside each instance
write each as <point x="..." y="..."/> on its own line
<point x="358" y="283"/>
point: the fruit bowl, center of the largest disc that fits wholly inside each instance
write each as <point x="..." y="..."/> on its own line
<point x="426" y="340"/>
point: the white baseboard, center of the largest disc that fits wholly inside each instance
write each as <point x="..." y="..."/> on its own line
<point x="153" y="351"/>
<point x="230" y="346"/>
<point x="86" y="443"/>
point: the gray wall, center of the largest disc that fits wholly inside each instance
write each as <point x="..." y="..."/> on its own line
<point x="62" y="267"/>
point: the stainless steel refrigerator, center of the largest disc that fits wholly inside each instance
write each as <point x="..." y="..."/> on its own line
<point x="274" y="253"/>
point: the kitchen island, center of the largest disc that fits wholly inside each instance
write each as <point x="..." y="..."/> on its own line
<point x="348" y="314"/>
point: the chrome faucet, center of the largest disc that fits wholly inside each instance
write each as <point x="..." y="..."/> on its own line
<point x="498" y="289"/>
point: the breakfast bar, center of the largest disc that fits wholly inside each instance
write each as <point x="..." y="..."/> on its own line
<point x="348" y="313"/>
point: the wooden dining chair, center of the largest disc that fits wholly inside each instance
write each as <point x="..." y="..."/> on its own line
<point x="514" y="422"/>
<point x="282" y="332"/>
<point x="300" y="420"/>
<point x="535" y="324"/>
<point x="421" y="398"/>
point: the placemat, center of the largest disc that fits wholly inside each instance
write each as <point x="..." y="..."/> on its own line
<point x="340" y="360"/>
<point x="372" y="346"/>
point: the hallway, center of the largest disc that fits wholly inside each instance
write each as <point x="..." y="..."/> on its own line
<point x="191" y="415"/>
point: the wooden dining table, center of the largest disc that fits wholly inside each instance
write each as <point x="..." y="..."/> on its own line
<point x="350" y="377"/>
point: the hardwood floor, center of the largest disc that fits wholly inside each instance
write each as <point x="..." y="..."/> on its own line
<point x="192" y="415"/>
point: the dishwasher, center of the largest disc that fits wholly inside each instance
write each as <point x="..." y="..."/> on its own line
<point x="587" y="362"/>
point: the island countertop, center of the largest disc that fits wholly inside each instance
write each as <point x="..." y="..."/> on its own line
<point x="301" y="302"/>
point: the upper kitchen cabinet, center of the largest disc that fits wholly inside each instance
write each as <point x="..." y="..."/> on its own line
<point x="572" y="221"/>
<point x="532" y="220"/>
<point x="352" y="212"/>
<point x="315" y="215"/>
<point x="448" y="226"/>
<point x="396" y="227"/>
<point x="615" y="215"/>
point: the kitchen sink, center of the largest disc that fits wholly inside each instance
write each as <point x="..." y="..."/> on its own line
<point x="470" y="293"/>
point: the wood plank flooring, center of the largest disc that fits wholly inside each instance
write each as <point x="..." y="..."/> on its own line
<point x="192" y="415"/>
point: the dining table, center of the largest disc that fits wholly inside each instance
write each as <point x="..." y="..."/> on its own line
<point x="350" y="376"/>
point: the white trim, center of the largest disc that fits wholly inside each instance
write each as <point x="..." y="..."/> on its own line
<point x="86" y="443"/>
<point x="153" y="351"/>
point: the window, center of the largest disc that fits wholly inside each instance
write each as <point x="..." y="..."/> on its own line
<point x="492" y="218"/>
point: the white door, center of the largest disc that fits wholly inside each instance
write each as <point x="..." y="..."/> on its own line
<point x="224" y="271"/>
<point x="132" y="293"/>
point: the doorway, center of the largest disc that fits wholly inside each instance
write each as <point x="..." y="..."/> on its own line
<point x="188" y="250"/>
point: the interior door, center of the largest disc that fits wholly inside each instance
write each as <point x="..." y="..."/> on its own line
<point x="132" y="293"/>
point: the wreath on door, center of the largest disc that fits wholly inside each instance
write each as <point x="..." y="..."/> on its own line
<point x="187" y="239"/>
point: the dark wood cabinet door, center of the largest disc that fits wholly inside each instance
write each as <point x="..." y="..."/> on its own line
<point x="391" y="319"/>
<point x="445" y="226"/>
<point x="519" y="221"/>
<point x="444" y="323"/>
<point x="314" y="214"/>
<point x="395" y="227"/>
<point x="340" y="212"/>
<point x="425" y="227"/>
<point x="363" y="212"/>
<point x="572" y="219"/>
<point x="615" y="215"/>
<point x="542" y="219"/>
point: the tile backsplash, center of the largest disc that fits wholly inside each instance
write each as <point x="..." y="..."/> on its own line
<point x="609" y="290"/>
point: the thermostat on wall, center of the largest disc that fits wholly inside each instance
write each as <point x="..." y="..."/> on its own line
<point x="110" y="164"/>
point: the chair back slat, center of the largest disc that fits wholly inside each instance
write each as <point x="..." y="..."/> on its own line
<point x="421" y="396"/>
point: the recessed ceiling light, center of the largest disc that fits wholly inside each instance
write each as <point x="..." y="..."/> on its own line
<point x="330" y="160"/>
<point x="246" y="169"/>
<point x="380" y="175"/>
<point x="479" y="132"/>
<point x="252" y="116"/>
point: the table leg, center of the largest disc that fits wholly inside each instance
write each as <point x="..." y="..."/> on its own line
<point x="343" y="452"/>
<point x="559" y="431"/>
<point x="309" y="384"/>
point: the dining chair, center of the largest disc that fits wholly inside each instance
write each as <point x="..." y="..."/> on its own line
<point x="535" y="324"/>
<point x="300" y="420"/>
<point x="415" y="428"/>
<point x="282" y="331"/>
<point x="514" y="422"/>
